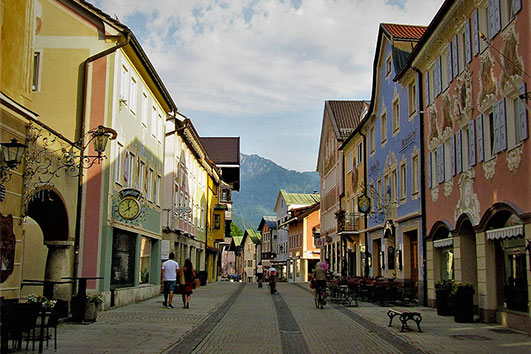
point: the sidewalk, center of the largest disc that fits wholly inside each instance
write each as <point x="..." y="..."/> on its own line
<point x="441" y="334"/>
<point x="143" y="327"/>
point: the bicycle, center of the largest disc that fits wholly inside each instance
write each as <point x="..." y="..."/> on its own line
<point x="320" y="299"/>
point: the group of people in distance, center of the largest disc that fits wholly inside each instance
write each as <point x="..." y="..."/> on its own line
<point x="186" y="276"/>
<point x="262" y="272"/>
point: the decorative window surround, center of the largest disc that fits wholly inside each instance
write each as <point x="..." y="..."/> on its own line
<point x="468" y="200"/>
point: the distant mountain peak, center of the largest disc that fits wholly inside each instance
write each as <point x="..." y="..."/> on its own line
<point x="261" y="179"/>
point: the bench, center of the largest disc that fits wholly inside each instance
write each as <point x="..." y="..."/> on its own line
<point x="404" y="317"/>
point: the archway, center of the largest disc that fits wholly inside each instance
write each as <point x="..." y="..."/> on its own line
<point x="443" y="254"/>
<point x="468" y="254"/>
<point x="505" y="230"/>
<point x="48" y="210"/>
<point x="34" y="265"/>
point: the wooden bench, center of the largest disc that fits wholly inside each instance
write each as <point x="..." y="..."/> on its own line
<point x="404" y="317"/>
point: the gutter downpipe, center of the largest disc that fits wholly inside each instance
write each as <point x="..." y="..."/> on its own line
<point x="422" y="184"/>
<point x="366" y="270"/>
<point x="82" y="143"/>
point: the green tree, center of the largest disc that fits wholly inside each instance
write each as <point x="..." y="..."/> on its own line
<point x="235" y="230"/>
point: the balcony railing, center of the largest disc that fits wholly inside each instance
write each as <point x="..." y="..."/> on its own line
<point x="348" y="221"/>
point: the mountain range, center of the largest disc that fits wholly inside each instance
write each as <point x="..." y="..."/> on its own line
<point x="261" y="179"/>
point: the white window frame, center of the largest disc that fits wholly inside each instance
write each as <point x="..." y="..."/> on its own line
<point x="412" y="98"/>
<point x="349" y="162"/>
<point x="141" y="170"/>
<point x="133" y="89"/>
<point x="415" y="173"/>
<point x="154" y="122"/>
<point x="403" y="181"/>
<point x="383" y="126"/>
<point x="124" y="85"/>
<point x="396" y="115"/>
<point x="156" y="189"/>
<point x="359" y="152"/>
<point x="145" y="108"/>
<point x="150" y="184"/>
<point x="118" y="163"/>
<point x="37" y="72"/>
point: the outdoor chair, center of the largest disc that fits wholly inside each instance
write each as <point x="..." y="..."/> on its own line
<point x="23" y="319"/>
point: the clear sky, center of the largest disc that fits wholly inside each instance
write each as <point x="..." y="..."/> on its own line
<point x="262" y="69"/>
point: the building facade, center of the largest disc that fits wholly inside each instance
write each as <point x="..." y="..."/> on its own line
<point x="340" y="118"/>
<point x="473" y="59"/>
<point x="302" y="254"/>
<point x="393" y="130"/>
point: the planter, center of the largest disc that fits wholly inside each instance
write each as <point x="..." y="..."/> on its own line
<point x="91" y="311"/>
<point x="442" y="299"/>
<point x="464" y="306"/>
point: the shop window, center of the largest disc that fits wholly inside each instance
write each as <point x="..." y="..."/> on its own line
<point x="145" y="260"/>
<point x="515" y="290"/>
<point x="123" y="259"/>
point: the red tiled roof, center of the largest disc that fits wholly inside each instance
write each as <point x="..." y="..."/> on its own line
<point x="410" y="32"/>
<point x="347" y="115"/>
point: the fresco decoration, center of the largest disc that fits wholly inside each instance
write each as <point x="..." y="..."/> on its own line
<point x="514" y="157"/>
<point x="512" y="67"/>
<point x="433" y="129"/>
<point x="468" y="200"/>
<point x="463" y="98"/>
<point x="487" y="84"/>
<point x="7" y="247"/>
<point x="446" y="113"/>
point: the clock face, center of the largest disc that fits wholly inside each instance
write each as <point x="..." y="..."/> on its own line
<point x="129" y="208"/>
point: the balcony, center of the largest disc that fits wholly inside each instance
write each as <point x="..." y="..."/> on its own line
<point x="348" y="222"/>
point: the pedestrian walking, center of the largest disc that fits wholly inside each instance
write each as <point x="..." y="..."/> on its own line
<point x="189" y="280"/>
<point x="169" y="276"/>
<point x="259" y="274"/>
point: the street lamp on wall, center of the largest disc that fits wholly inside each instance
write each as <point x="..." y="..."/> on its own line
<point x="12" y="154"/>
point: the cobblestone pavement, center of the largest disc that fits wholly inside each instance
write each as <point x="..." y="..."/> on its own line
<point x="240" y="318"/>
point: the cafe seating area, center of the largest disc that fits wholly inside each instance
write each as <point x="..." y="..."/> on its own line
<point x="379" y="290"/>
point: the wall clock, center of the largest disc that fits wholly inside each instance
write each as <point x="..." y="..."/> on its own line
<point x="129" y="208"/>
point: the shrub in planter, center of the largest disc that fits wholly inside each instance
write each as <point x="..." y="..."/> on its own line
<point x="463" y="300"/>
<point x="92" y="305"/>
<point x="443" y="290"/>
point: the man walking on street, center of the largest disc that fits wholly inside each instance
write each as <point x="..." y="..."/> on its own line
<point x="169" y="275"/>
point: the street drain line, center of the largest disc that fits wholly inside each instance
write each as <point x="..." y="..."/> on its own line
<point x="290" y="334"/>
<point x="382" y="333"/>
<point x="196" y="336"/>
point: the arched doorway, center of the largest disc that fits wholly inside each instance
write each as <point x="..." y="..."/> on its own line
<point x="443" y="254"/>
<point x="46" y="207"/>
<point x="468" y="254"/>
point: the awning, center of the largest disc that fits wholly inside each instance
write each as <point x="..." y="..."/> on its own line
<point x="506" y="232"/>
<point x="445" y="242"/>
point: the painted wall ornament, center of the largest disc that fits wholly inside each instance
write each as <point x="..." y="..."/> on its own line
<point x="514" y="157"/>
<point x="487" y="85"/>
<point x="489" y="167"/>
<point x="463" y="98"/>
<point x="433" y="129"/>
<point x="447" y="119"/>
<point x="7" y="247"/>
<point x="468" y="201"/>
<point x="435" y="194"/>
<point x="511" y="75"/>
<point x="448" y="187"/>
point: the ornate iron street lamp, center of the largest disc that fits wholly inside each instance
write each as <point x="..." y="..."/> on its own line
<point x="12" y="154"/>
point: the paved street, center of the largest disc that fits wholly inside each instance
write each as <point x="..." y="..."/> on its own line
<point x="240" y="318"/>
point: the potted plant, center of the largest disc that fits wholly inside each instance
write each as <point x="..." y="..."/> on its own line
<point x="92" y="305"/>
<point x="443" y="289"/>
<point x="463" y="301"/>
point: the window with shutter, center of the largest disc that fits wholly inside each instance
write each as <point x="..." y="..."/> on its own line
<point x="440" y="163"/>
<point x="521" y="125"/>
<point x="494" y="17"/>
<point x="468" y="50"/>
<point x="517" y="6"/>
<point x="429" y="170"/>
<point x="458" y="153"/>
<point x="475" y="31"/>
<point x="449" y="64"/>
<point x="427" y="86"/>
<point x="437" y="87"/>
<point x="472" y="144"/>
<point x="452" y="155"/>
<point x="455" y="55"/>
<point x="502" y="121"/>
<point x="481" y="152"/>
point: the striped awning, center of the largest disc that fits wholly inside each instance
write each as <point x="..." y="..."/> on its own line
<point x="506" y="232"/>
<point x="445" y="242"/>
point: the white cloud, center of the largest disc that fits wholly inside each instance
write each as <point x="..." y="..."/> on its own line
<point x="272" y="60"/>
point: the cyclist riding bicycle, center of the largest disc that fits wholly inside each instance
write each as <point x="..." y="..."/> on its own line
<point x="319" y="275"/>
